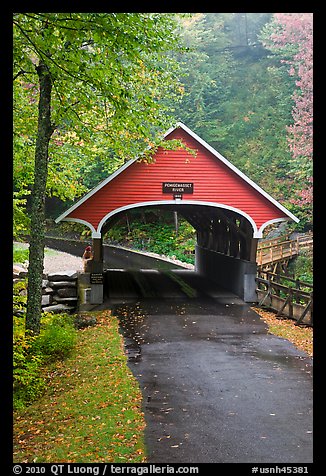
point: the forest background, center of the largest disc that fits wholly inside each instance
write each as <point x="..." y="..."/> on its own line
<point x="244" y="84"/>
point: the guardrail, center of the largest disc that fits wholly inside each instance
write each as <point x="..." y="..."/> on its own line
<point x="289" y="297"/>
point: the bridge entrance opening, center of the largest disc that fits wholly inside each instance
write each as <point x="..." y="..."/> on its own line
<point x="223" y="245"/>
<point x="228" y="210"/>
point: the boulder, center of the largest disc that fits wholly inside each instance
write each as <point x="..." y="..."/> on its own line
<point x="47" y="290"/>
<point x="67" y="275"/>
<point x="67" y="292"/>
<point x="58" y="308"/>
<point x="46" y="300"/>
<point x="71" y="300"/>
<point x="19" y="312"/>
<point x="62" y="284"/>
<point x="19" y="271"/>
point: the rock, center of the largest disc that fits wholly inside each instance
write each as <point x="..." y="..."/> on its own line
<point x="82" y="321"/>
<point x="19" y="312"/>
<point x="62" y="284"/>
<point x="56" y="298"/>
<point x="17" y="268"/>
<point x="67" y="292"/>
<point x="18" y="271"/>
<point x="58" y="308"/>
<point x="47" y="290"/>
<point x="46" y="300"/>
<point x="68" y="275"/>
<point x="45" y="283"/>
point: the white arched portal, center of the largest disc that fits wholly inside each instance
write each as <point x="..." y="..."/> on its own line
<point x="179" y="203"/>
<point x="97" y="233"/>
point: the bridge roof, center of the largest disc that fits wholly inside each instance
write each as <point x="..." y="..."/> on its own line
<point x="212" y="180"/>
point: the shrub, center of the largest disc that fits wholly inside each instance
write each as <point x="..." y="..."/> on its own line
<point x="19" y="295"/>
<point x="27" y="381"/>
<point x="56" y="339"/>
<point x="32" y="352"/>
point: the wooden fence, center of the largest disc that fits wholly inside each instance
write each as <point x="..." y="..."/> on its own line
<point x="289" y="297"/>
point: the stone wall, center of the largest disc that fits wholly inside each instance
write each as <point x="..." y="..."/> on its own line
<point x="59" y="292"/>
<point x="59" y="289"/>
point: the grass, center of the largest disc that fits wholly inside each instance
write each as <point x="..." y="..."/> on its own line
<point x="21" y="253"/>
<point x="91" y="410"/>
<point x="300" y="336"/>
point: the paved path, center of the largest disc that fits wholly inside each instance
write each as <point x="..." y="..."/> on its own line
<point x="217" y="388"/>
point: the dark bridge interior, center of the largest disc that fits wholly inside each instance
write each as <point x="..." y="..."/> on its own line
<point x="225" y="251"/>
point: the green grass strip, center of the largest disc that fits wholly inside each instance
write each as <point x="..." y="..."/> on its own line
<point x="91" y="411"/>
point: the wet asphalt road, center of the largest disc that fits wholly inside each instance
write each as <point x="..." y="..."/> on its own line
<point x="216" y="387"/>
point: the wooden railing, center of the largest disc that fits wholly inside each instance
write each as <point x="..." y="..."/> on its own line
<point x="278" y="249"/>
<point x="288" y="297"/>
<point x="277" y="252"/>
<point x="273" y="241"/>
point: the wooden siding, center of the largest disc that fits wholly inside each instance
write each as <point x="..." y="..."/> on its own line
<point x="213" y="182"/>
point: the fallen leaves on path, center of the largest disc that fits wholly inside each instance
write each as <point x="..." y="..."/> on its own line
<point x="300" y="336"/>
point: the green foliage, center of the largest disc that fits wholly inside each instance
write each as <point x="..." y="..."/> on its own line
<point x="21" y="222"/>
<point x="155" y="232"/>
<point x="56" y="339"/>
<point x="28" y="384"/>
<point x="20" y="255"/>
<point x="109" y="72"/>
<point x="91" y="409"/>
<point x="302" y="267"/>
<point x="32" y="352"/>
<point x="20" y="295"/>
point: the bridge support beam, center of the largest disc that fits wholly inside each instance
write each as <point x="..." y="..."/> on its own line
<point x="233" y="274"/>
<point x="253" y="249"/>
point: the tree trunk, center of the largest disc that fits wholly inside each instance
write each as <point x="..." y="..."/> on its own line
<point x="36" y="247"/>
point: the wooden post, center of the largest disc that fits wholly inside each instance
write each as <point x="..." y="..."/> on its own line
<point x="253" y="250"/>
<point x="97" y="264"/>
<point x="176" y="223"/>
<point x="97" y="272"/>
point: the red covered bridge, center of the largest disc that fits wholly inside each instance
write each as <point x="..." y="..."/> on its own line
<point x="228" y="210"/>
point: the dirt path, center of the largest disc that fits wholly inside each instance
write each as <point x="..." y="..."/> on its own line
<point x="58" y="260"/>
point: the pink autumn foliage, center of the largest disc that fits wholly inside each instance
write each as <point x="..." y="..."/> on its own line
<point x="296" y="29"/>
<point x="294" y="36"/>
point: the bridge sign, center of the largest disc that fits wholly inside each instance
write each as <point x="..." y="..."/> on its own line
<point x="178" y="187"/>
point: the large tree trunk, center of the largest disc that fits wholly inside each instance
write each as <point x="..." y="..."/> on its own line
<point x="36" y="247"/>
